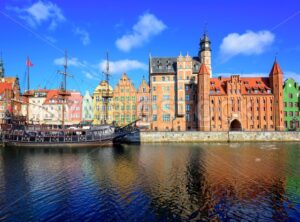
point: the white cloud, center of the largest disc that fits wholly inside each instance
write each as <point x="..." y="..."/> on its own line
<point x="71" y="62"/>
<point x="249" y="43"/>
<point x="147" y="27"/>
<point x="293" y="75"/>
<point x="121" y="66"/>
<point x="91" y="75"/>
<point x="39" y="13"/>
<point x="84" y="35"/>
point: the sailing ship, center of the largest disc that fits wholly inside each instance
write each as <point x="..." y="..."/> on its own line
<point x="18" y="132"/>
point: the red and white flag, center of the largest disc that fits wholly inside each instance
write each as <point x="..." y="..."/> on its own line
<point x="28" y="62"/>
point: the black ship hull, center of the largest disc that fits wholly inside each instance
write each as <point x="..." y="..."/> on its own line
<point x="35" y="137"/>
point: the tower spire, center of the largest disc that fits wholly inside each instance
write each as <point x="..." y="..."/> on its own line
<point x="2" y="70"/>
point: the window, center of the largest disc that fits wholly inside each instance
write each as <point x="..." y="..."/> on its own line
<point x="141" y="98"/>
<point x="133" y="107"/>
<point x="166" y="97"/>
<point x="154" y="117"/>
<point x="297" y="113"/>
<point x="154" y="107"/>
<point x="290" y="113"/>
<point x="133" y="98"/>
<point x="285" y="104"/>
<point x="166" y="106"/>
<point x="186" y="87"/>
<point x="144" y="89"/>
<point x="127" y="118"/>
<point x="154" y="88"/>
<point x="163" y="78"/>
<point x="166" y="117"/>
<point x="290" y="104"/>
<point x="187" y="97"/>
<point x="187" y="117"/>
<point x="128" y="107"/>
<point x="187" y="107"/>
<point x="285" y="113"/>
<point x="290" y="95"/>
<point x="296" y="104"/>
<point x="153" y="98"/>
<point x="154" y="78"/>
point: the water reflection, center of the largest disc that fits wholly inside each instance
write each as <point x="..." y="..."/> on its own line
<point x="208" y="182"/>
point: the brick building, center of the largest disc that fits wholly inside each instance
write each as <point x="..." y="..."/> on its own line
<point x="186" y="97"/>
<point x="291" y="98"/>
<point x="173" y="84"/>
<point x="238" y="103"/>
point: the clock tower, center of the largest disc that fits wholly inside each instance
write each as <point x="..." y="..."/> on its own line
<point x="205" y="52"/>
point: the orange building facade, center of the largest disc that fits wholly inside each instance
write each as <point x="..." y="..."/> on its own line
<point x="186" y="97"/>
<point x="124" y="101"/>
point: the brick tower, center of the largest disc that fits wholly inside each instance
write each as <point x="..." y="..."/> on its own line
<point x="203" y="98"/>
<point x="276" y="76"/>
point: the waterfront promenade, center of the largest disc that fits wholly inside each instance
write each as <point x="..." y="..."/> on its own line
<point x="196" y="136"/>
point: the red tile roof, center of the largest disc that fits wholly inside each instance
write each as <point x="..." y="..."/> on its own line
<point x="276" y="69"/>
<point x="247" y="83"/>
<point x="203" y="70"/>
<point x="52" y="94"/>
<point x="5" y="86"/>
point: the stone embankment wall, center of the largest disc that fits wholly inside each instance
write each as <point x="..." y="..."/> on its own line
<point x="164" y="137"/>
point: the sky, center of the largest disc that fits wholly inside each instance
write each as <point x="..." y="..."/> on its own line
<point x="246" y="36"/>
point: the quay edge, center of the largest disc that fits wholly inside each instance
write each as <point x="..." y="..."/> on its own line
<point x="196" y="136"/>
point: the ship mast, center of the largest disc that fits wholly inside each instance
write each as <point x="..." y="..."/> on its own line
<point x="106" y="95"/>
<point x="63" y="92"/>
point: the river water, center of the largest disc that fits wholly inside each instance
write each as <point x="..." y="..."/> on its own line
<point x="159" y="182"/>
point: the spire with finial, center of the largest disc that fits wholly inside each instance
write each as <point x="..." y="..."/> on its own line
<point x="276" y="70"/>
<point x="2" y="71"/>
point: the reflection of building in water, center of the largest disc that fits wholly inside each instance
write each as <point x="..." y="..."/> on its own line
<point x="254" y="177"/>
<point x="172" y="179"/>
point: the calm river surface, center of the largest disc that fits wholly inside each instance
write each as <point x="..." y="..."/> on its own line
<point x="159" y="182"/>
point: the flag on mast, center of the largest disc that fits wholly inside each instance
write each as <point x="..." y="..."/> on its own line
<point x="28" y="62"/>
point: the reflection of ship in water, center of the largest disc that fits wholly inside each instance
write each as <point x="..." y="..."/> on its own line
<point x="17" y="131"/>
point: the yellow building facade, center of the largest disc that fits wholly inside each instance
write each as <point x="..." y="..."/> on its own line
<point x="103" y="112"/>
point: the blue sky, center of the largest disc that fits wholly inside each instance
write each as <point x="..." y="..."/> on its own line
<point x="245" y="35"/>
